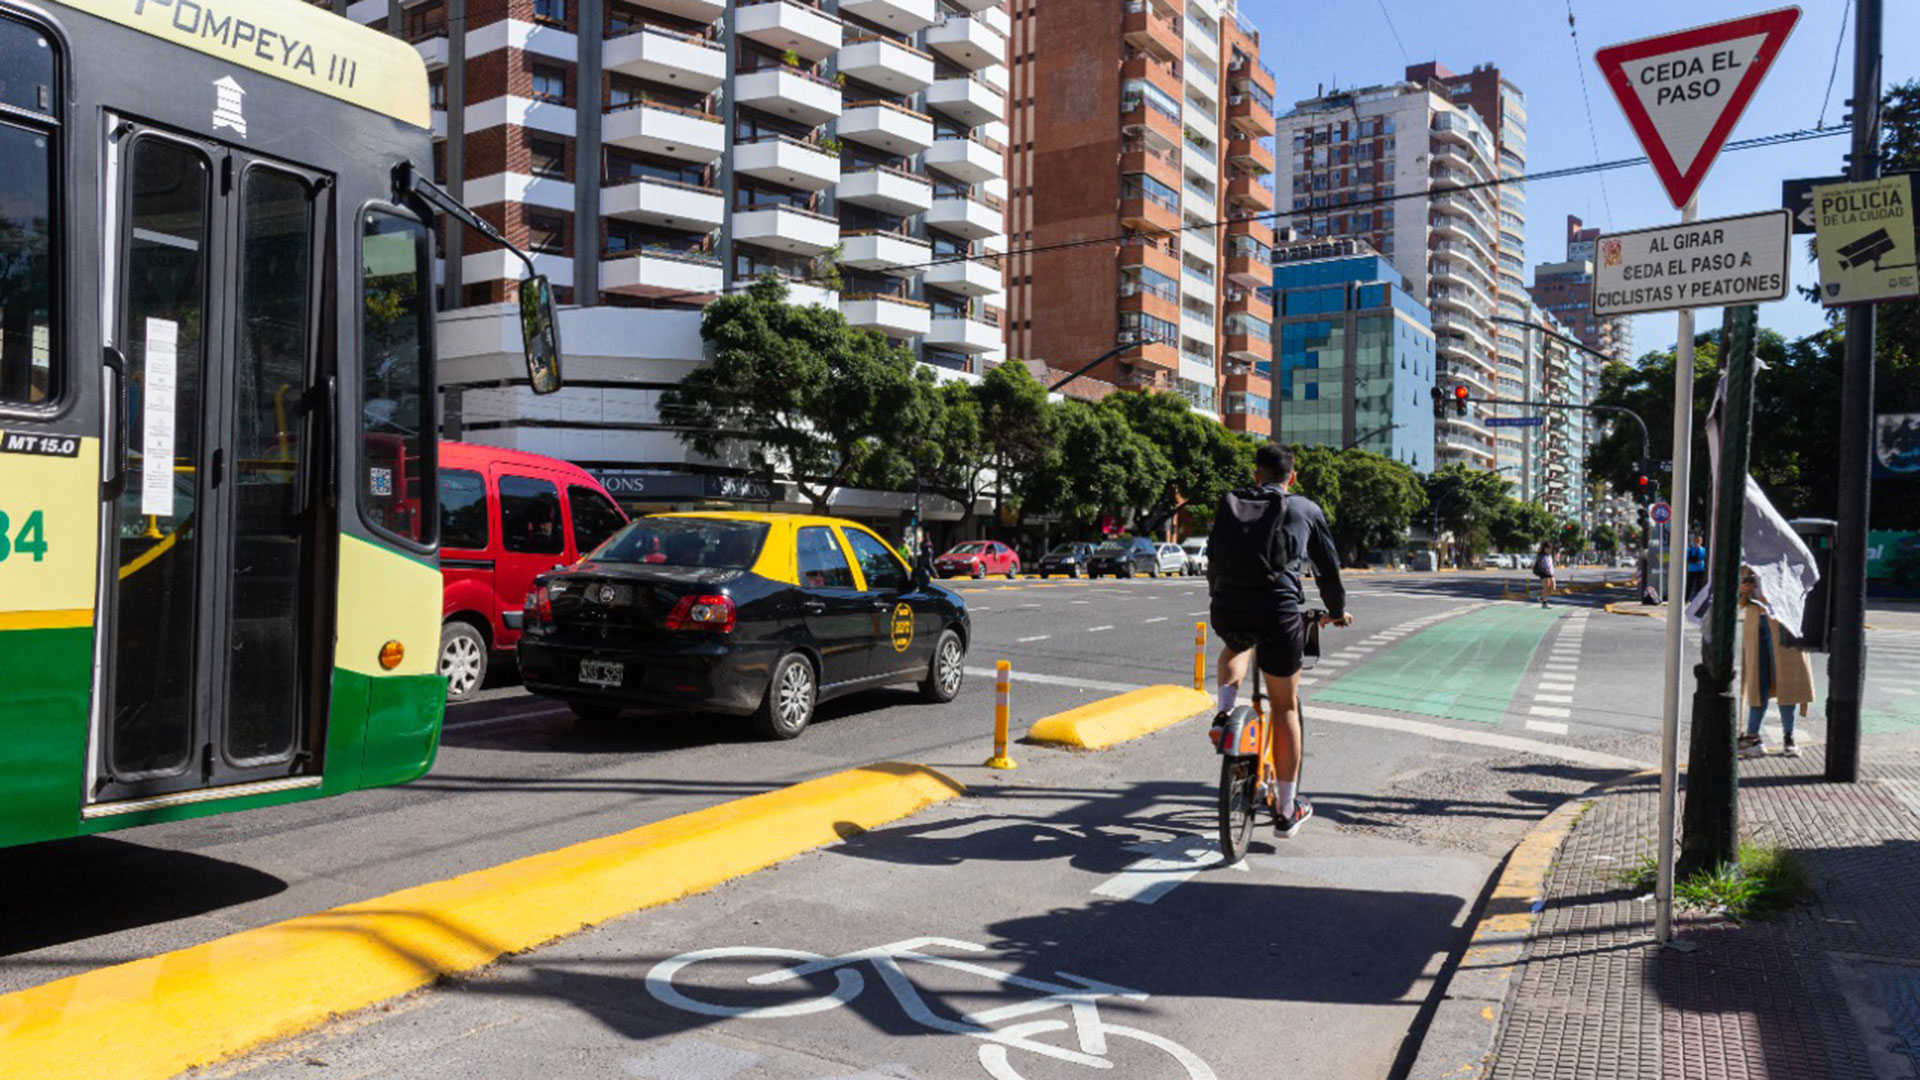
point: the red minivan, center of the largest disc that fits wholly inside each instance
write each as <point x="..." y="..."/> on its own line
<point x="506" y="516"/>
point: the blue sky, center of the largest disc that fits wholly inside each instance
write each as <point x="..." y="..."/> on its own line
<point x="1347" y="42"/>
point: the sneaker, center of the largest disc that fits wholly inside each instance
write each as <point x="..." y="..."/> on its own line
<point x="1219" y="729"/>
<point x="1788" y="749"/>
<point x="1750" y="746"/>
<point x="1302" y="810"/>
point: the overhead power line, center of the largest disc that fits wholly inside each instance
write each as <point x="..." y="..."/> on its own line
<point x="1593" y="138"/>
<point x="1845" y="10"/>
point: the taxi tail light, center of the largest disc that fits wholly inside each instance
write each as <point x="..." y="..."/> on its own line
<point x="539" y="606"/>
<point x="714" y="613"/>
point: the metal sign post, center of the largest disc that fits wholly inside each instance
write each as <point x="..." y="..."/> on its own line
<point x="1676" y="624"/>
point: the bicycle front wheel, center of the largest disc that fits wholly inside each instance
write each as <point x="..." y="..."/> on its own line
<point x="1237" y="779"/>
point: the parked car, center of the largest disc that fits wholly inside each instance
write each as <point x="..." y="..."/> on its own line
<point x="978" y="558"/>
<point x="1196" y="549"/>
<point x="505" y="517"/>
<point x="1069" y="558"/>
<point x="1125" y="558"/>
<point x="1172" y="559"/>
<point x="740" y="613"/>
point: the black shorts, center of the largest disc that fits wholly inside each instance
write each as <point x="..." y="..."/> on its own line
<point x="1279" y="636"/>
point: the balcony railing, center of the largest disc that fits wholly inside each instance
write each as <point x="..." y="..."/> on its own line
<point x="644" y="102"/>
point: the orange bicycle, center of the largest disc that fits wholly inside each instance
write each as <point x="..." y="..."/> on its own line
<point x="1246" y="757"/>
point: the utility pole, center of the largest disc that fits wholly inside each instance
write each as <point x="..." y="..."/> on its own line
<point x="1846" y="664"/>
<point x="1711" y="825"/>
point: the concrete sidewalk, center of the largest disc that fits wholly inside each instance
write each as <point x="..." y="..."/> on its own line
<point x="1830" y="990"/>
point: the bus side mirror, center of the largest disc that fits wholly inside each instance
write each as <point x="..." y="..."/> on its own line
<point x="540" y="334"/>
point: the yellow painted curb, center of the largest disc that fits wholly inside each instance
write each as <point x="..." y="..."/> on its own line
<point x="1629" y="609"/>
<point x="156" y="1017"/>
<point x="1101" y="724"/>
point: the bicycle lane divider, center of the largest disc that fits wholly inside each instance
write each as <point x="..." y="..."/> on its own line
<point x="1110" y="721"/>
<point x="161" y="1015"/>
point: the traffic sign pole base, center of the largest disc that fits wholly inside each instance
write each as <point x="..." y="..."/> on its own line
<point x="1000" y="761"/>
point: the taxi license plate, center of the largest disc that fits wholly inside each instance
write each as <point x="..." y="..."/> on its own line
<point x="601" y="672"/>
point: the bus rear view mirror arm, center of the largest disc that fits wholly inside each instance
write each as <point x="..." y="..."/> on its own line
<point x="539" y="329"/>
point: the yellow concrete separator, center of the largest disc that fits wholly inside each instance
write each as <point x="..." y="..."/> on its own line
<point x="156" y="1017"/>
<point x="1100" y="724"/>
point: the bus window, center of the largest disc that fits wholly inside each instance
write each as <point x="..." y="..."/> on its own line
<point x="27" y="263"/>
<point x="396" y="397"/>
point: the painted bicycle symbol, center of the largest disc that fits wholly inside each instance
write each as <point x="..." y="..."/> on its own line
<point x="1079" y="996"/>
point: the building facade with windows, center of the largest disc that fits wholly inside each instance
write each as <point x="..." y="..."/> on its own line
<point x="1142" y="159"/>
<point x="1425" y="171"/>
<point x="1566" y="289"/>
<point x="654" y="154"/>
<point x="1357" y="355"/>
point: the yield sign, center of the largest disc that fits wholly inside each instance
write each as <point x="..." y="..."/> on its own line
<point x="1684" y="92"/>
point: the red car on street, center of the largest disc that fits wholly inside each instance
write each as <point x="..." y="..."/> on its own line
<point x="978" y="558"/>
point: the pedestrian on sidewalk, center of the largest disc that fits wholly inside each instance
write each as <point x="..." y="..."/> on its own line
<point x="1770" y="669"/>
<point x="1543" y="569"/>
<point x="1696" y="567"/>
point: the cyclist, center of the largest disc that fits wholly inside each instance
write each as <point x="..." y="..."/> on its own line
<point x="1260" y="538"/>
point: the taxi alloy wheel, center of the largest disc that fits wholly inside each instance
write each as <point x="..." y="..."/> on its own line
<point x="948" y="669"/>
<point x="791" y="694"/>
<point x="463" y="660"/>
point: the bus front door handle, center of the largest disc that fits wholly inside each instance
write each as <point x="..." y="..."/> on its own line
<point x="116" y="481"/>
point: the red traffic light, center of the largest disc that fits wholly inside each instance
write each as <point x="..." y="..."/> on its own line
<point x="1460" y="393"/>
<point x="1642" y="482"/>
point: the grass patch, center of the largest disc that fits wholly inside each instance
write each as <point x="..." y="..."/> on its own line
<point x="1765" y="882"/>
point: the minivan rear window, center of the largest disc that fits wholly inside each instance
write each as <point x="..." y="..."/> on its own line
<point x="463" y="510"/>
<point x="705" y="542"/>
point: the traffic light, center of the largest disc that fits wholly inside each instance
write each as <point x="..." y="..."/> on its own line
<point x="1643" y="489"/>
<point x="1439" y="403"/>
<point x="1459" y="401"/>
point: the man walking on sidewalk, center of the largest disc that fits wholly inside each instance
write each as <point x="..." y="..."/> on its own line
<point x="1261" y="536"/>
<point x="1696" y="567"/>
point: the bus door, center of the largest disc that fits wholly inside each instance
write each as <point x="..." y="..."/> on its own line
<point x="211" y="521"/>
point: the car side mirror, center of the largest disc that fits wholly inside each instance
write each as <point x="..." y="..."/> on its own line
<point x="540" y="334"/>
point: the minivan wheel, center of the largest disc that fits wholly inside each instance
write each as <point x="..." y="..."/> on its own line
<point x="946" y="671"/>
<point x="791" y="695"/>
<point x="463" y="660"/>
<point x="1126" y="571"/>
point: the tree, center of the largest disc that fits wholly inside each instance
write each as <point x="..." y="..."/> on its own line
<point x="1100" y="466"/>
<point x="1016" y="425"/>
<point x="1646" y="387"/>
<point x="793" y="388"/>
<point x="1572" y="537"/>
<point x="1466" y="502"/>
<point x="1205" y="460"/>
<point x="1521" y="526"/>
<point x="1606" y="539"/>
<point x="1378" y="498"/>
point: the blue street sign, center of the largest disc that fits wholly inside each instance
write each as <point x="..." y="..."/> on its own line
<point x="1515" y="421"/>
<point x="1661" y="513"/>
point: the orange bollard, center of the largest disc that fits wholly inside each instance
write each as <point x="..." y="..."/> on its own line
<point x="1002" y="715"/>
<point x="1200" y="656"/>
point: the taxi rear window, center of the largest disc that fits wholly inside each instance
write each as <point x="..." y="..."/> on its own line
<point x="717" y="545"/>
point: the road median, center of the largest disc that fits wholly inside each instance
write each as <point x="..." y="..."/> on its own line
<point x="158" y="1016"/>
<point x="1100" y="724"/>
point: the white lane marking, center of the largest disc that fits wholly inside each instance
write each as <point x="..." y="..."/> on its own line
<point x="1575" y="754"/>
<point x="1079" y="601"/>
<point x="1169" y="864"/>
<point x="1549" y="710"/>
<point x="1098" y="629"/>
<point x="1158" y="618"/>
<point x="1196" y="614"/>
<point x="1557" y="699"/>
<point x="970" y="607"/>
<point x="1556" y="687"/>
<point x="1036" y="637"/>
<point x="1329" y="662"/>
<point x="1056" y="680"/>
<point x="507" y="719"/>
<point x="1555" y="665"/>
<point x="1547" y="727"/>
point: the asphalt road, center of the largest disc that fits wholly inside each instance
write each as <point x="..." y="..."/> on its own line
<point x="1440" y="728"/>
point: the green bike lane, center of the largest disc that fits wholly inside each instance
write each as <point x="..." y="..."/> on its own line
<point x="1469" y="667"/>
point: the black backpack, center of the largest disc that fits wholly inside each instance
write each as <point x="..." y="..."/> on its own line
<point x="1246" y="548"/>
<point x="1540" y="566"/>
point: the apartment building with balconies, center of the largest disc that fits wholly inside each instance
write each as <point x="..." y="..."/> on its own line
<point x="1141" y="178"/>
<point x="653" y="155"/>
<point x="1426" y="170"/>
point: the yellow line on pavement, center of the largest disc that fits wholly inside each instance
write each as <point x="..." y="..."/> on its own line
<point x="1100" y="724"/>
<point x="156" y="1017"/>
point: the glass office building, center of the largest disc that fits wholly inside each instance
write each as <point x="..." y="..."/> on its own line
<point x="1356" y="353"/>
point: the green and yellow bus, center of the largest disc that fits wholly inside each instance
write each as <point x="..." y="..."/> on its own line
<point x="218" y="576"/>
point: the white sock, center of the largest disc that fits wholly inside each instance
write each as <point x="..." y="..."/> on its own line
<point x="1227" y="695"/>
<point x="1283" y="793"/>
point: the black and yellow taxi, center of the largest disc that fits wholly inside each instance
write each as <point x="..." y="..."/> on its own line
<point x="756" y="614"/>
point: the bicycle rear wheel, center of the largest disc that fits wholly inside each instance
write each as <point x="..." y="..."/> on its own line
<point x="1237" y="778"/>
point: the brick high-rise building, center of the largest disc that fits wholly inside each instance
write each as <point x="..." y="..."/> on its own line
<point x="1566" y="289"/>
<point x="1138" y="127"/>
<point x="653" y="154"/>
<point x="1377" y="163"/>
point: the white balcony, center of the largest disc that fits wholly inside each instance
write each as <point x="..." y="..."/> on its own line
<point x="888" y="190"/>
<point x="788" y="162"/>
<point x="667" y="57"/>
<point x="904" y="16"/>
<point x="969" y="161"/>
<point x="968" y="41"/>
<point x="792" y="94"/>
<point x="965" y="277"/>
<point x="667" y="130"/>
<point x="663" y="202"/>
<point x="970" y="101"/>
<point x="698" y="10"/>
<point x="975" y="5"/>
<point x="433" y="50"/>
<point x="785" y="24"/>
<point x="884" y="62"/>
<point x="655" y="273"/>
<point x="891" y="315"/>
<point x="963" y="334"/>
<point x="969" y="218"/>
<point x="887" y="252"/>
<point x="786" y="228"/>
<point x="889" y="127"/>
